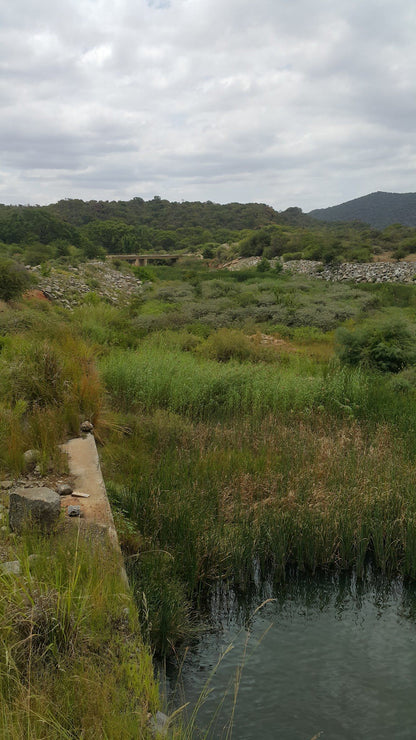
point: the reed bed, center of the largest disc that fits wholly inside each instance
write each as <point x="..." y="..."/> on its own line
<point x="245" y="500"/>
<point x="204" y="389"/>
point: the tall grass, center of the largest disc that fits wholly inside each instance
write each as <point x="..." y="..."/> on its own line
<point x="71" y="661"/>
<point x="203" y="389"/>
<point x="46" y="387"/>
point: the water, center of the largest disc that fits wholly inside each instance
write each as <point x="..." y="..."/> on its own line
<point x="329" y="656"/>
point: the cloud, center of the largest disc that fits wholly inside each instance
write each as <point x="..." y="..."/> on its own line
<point x="276" y="101"/>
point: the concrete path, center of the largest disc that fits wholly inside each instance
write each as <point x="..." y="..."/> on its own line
<point x="84" y="466"/>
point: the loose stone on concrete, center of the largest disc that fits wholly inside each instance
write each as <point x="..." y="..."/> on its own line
<point x="86" y="426"/>
<point x="64" y="489"/>
<point x="41" y="505"/>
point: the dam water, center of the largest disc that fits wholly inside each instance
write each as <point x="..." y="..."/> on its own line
<point x="329" y="657"/>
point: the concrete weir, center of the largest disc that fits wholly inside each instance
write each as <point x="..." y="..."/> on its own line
<point x="84" y="467"/>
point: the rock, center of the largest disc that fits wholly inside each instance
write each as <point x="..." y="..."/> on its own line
<point x="64" y="489"/>
<point x="12" y="567"/>
<point x="159" y="724"/>
<point x="86" y="426"/>
<point x="39" y="505"/>
<point x="5" y="485"/>
<point x="74" y="511"/>
<point x="30" y="457"/>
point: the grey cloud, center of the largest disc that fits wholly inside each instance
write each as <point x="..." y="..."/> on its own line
<point x="274" y="100"/>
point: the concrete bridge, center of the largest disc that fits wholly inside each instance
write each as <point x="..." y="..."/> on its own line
<point x="141" y="260"/>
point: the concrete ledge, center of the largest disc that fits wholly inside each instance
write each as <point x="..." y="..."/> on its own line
<point x="84" y="466"/>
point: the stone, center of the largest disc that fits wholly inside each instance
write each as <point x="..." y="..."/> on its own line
<point x="74" y="511"/>
<point x="41" y="506"/>
<point x="64" y="489"/>
<point x="6" y="485"/>
<point x="31" y="457"/>
<point x="86" y="426"/>
<point x="12" y="567"/>
<point x="159" y="724"/>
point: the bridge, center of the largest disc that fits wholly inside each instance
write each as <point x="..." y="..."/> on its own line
<point x="141" y="260"/>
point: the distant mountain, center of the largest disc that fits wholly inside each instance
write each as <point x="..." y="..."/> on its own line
<point x="378" y="209"/>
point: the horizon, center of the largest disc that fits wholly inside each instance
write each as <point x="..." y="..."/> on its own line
<point x="191" y="200"/>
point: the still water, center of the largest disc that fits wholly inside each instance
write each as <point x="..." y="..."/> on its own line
<point x="333" y="658"/>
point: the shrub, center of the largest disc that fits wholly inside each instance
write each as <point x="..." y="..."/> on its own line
<point x="387" y="345"/>
<point x="14" y="279"/>
<point x="263" y="265"/>
<point x="227" y="344"/>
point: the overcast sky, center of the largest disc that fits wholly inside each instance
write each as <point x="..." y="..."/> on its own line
<point x="287" y="102"/>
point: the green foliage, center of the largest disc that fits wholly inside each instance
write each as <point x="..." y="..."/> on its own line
<point x="263" y="265"/>
<point x="14" y="279"/>
<point x="144" y="273"/>
<point x="386" y="345"/>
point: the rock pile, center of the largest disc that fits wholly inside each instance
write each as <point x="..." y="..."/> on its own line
<point x="368" y="272"/>
<point x="69" y="286"/>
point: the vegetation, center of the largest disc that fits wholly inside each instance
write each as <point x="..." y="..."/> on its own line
<point x="72" y="663"/>
<point x="251" y="424"/>
<point x="72" y="230"/>
<point x="13" y="279"/>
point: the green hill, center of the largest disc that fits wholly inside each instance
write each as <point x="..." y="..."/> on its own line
<point x="377" y="209"/>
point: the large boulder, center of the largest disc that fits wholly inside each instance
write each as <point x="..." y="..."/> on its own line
<point x="40" y="506"/>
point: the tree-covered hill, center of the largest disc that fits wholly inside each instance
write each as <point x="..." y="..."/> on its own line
<point x="164" y="214"/>
<point x="97" y="227"/>
<point x="377" y="209"/>
<point x="73" y="230"/>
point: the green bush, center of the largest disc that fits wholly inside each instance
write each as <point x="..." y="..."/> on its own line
<point x="383" y="345"/>
<point x="14" y="279"/>
<point x="227" y="344"/>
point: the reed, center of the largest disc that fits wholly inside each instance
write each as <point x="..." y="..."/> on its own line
<point x="244" y="500"/>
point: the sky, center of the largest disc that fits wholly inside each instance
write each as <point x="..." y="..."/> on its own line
<point x="285" y="102"/>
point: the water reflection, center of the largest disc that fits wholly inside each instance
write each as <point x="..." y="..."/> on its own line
<point x="331" y="654"/>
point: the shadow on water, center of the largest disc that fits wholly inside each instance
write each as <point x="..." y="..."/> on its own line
<point x="330" y="654"/>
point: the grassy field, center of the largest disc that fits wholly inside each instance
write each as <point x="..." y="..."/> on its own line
<point x="249" y="424"/>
